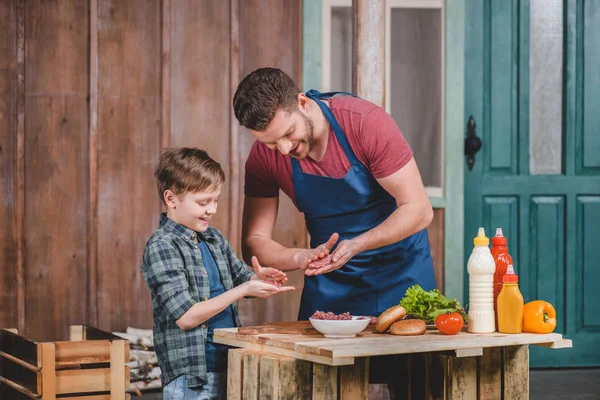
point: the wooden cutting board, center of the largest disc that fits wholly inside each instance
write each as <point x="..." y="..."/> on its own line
<point x="290" y="327"/>
<point x="286" y="327"/>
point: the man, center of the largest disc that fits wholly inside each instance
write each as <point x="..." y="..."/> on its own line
<point x="345" y="164"/>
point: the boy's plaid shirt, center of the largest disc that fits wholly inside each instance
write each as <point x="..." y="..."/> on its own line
<point x="173" y="269"/>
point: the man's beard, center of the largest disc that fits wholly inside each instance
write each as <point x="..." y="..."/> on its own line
<point x="308" y="138"/>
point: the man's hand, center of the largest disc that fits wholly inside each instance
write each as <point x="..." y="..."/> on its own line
<point x="344" y="252"/>
<point x="268" y="274"/>
<point x="305" y="257"/>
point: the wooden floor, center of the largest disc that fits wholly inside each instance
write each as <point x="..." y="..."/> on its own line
<point x="561" y="384"/>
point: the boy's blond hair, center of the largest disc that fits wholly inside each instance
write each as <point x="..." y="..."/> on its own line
<point x="187" y="170"/>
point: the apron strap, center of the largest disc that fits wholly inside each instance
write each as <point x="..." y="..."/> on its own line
<point x="315" y="94"/>
<point x="333" y="123"/>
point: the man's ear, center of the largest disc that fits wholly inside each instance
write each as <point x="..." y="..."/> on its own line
<point x="303" y="103"/>
<point x="170" y="198"/>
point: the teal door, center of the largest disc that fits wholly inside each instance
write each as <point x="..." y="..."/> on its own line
<point x="532" y="86"/>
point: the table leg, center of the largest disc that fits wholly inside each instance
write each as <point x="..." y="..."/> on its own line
<point x="325" y="382"/>
<point x="515" y="360"/>
<point x="354" y="380"/>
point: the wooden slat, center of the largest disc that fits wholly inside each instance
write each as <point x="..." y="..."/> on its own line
<point x="129" y="112"/>
<point x="283" y="33"/>
<point x="251" y="375"/>
<point x="165" y="88"/>
<point x="56" y="159"/>
<point x="516" y="372"/>
<point x="438" y="377"/>
<point x="368" y="50"/>
<point x="76" y="332"/>
<point x="7" y="391"/>
<point x="354" y="380"/>
<point x="20" y="374"/>
<point x="92" y="236"/>
<point x="284" y="378"/>
<point x="419" y="377"/>
<point x="269" y="376"/>
<point x="119" y="382"/>
<point x="199" y="80"/>
<point x="325" y="382"/>
<point x="472" y="352"/>
<point x="8" y="165"/>
<point x="235" y="377"/>
<point x="490" y="374"/>
<point x="235" y="196"/>
<point x="20" y="347"/>
<point x="20" y="163"/>
<point x="290" y="353"/>
<point x="19" y="361"/>
<point x="94" y="397"/>
<point x="463" y="381"/>
<point x="341" y="351"/>
<point x="85" y="380"/>
<point x="435" y="231"/>
<point x="48" y="382"/>
<point x="92" y="333"/>
<point x="294" y="379"/>
<point x="82" y="352"/>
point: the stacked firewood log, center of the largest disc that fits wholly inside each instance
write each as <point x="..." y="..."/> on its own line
<point x="143" y="366"/>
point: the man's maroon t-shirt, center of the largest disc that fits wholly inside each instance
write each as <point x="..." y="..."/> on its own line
<point x="374" y="138"/>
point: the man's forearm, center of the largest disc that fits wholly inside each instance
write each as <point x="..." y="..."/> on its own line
<point x="271" y="254"/>
<point x="204" y="310"/>
<point x="406" y="220"/>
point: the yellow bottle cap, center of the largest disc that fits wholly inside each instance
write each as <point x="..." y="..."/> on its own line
<point x="481" y="239"/>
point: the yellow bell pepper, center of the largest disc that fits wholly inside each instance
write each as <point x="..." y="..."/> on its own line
<point x="539" y="317"/>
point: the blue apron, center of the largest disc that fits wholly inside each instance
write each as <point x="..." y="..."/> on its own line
<point x="374" y="280"/>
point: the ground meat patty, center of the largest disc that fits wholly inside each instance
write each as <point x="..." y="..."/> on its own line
<point x="331" y="316"/>
<point x="372" y="320"/>
<point x="323" y="262"/>
<point x="271" y="282"/>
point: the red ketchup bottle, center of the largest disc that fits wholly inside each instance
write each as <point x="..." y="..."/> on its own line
<point x="503" y="260"/>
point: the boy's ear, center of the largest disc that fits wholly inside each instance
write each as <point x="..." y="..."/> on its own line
<point x="170" y="198"/>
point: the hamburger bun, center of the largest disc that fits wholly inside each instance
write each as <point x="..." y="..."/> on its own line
<point x="408" y="327"/>
<point x="388" y="317"/>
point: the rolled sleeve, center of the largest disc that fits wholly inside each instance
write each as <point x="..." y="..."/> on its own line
<point x="165" y="273"/>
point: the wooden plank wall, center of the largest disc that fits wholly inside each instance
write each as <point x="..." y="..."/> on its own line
<point x="90" y="91"/>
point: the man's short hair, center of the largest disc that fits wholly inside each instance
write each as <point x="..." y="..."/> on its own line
<point x="187" y="170"/>
<point x="260" y="94"/>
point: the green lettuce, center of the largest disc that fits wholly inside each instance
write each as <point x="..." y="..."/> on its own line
<point x="428" y="305"/>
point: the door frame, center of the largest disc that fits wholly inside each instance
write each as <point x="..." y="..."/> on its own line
<point x="452" y="200"/>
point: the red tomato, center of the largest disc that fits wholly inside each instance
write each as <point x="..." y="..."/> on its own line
<point x="449" y="324"/>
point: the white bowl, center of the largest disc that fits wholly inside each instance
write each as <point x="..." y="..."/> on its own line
<point x="347" y="328"/>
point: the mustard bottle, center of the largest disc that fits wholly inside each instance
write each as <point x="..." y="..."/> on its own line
<point x="510" y="304"/>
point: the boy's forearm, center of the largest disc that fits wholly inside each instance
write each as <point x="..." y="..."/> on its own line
<point x="204" y="310"/>
<point x="271" y="254"/>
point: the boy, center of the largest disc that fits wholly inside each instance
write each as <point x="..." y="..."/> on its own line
<point x="195" y="277"/>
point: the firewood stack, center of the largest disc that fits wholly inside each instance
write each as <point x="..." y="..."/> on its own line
<point x="144" y="370"/>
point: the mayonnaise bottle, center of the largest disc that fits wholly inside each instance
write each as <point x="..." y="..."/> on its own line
<point x="481" y="267"/>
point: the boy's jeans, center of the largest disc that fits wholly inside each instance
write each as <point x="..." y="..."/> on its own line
<point x="215" y="389"/>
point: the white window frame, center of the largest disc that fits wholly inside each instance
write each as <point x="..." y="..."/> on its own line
<point x="433" y="192"/>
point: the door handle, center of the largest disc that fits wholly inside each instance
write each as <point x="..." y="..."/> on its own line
<point x="472" y="142"/>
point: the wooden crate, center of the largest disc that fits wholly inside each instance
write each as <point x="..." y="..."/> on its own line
<point x="90" y="366"/>
<point x="495" y="374"/>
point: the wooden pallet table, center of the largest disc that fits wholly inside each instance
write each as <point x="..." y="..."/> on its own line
<point x="90" y="366"/>
<point x="430" y="366"/>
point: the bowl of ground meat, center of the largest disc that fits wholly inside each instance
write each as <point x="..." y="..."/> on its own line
<point x="338" y="325"/>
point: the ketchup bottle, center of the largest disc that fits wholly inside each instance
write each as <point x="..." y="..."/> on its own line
<point x="502" y="260"/>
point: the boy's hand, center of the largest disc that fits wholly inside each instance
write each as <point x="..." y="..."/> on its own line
<point x="268" y="274"/>
<point x="256" y="288"/>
